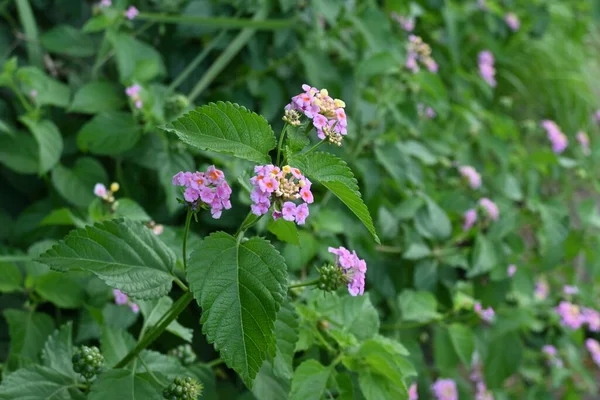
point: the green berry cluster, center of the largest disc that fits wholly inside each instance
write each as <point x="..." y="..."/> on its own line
<point x="87" y="361"/>
<point x="332" y="278"/>
<point x="185" y="353"/>
<point x="183" y="389"/>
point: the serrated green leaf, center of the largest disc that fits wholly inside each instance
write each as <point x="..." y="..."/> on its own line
<point x="153" y="310"/>
<point x="240" y="287"/>
<point x="109" y="133"/>
<point x="168" y="366"/>
<point x="28" y="333"/>
<point x="286" y="332"/>
<point x="169" y="163"/>
<point x="96" y="97"/>
<point x="309" y="381"/>
<point x="65" y="39"/>
<point x="463" y="340"/>
<point x="123" y="384"/>
<point x="58" y="351"/>
<point x="375" y="387"/>
<point x="335" y="175"/>
<point x="115" y="344"/>
<point x="355" y="315"/>
<point x="226" y="128"/>
<point x="129" y="209"/>
<point x="49" y="140"/>
<point x="285" y="231"/>
<point x="269" y="386"/>
<point x="76" y="185"/>
<point x="37" y="382"/>
<point x="49" y="91"/>
<point x="126" y="255"/>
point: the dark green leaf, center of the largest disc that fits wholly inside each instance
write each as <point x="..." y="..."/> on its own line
<point x="285" y="231"/>
<point x="49" y="91"/>
<point x="123" y="384"/>
<point x="463" y="341"/>
<point x="76" y="185"/>
<point x="96" y="97"/>
<point x="109" y="133"/>
<point x="28" y="333"/>
<point x="50" y="142"/>
<point x="37" y="382"/>
<point x="67" y="40"/>
<point x="58" y="351"/>
<point x="309" y="381"/>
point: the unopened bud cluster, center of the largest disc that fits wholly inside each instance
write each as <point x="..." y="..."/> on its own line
<point x="332" y="278"/>
<point x="184" y="353"/>
<point x="419" y="51"/>
<point x="183" y="389"/>
<point x="87" y="361"/>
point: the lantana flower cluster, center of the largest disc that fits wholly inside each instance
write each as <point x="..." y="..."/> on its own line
<point x="542" y="289"/>
<point x="471" y="175"/>
<point x="490" y="209"/>
<point x="512" y="21"/>
<point x="122" y="299"/>
<point x="476" y="376"/>
<point x="406" y="23"/>
<point x="131" y="13"/>
<point x="133" y="92"/>
<point x="552" y="355"/>
<point x="486" y="67"/>
<point x="486" y="314"/>
<point x="558" y="139"/>
<point x="426" y="112"/>
<point x="327" y="114"/>
<point x="281" y="187"/>
<point x="574" y="316"/>
<point x="594" y="348"/>
<point x="208" y="187"/>
<point x="353" y="267"/>
<point x="445" y="389"/>
<point x="419" y="51"/>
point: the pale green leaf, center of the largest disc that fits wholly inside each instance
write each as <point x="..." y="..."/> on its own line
<point x="28" y="333"/>
<point x="355" y="315"/>
<point x="153" y="310"/>
<point x="285" y="231"/>
<point x="11" y="278"/>
<point x="504" y="356"/>
<point x="268" y="386"/>
<point x="109" y="133"/>
<point x="418" y="306"/>
<point x="309" y="381"/>
<point x="37" y="383"/>
<point x="432" y="222"/>
<point x="226" y="128"/>
<point x="376" y="387"/>
<point x="123" y="384"/>
<point x="115" y="344"/>
<point x="463" y="340"/>
<point x="129" y="209"/>
<point x="240" y="287"/>
<point x="334" y="174"/>
<point x="286" y="332"/>
<point x="67" y="40"/>
<point x="49" y="140"/>
<point x="136" y="60"/>
<point x="126" y="255"/>
<point x="49" y="90"/>
<point x="484" y="257"/>
<point x="96" y="97"/>
<point x="58" y="351"/>
<point x="76" y="185"/>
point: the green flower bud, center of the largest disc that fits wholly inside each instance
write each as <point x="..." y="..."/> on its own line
<point x="332" y="278"/>
<point x="87" y="361"/>
<point x="183" y="388"/>
<point x="185" y="353"/>
<point x="175" y="105"/>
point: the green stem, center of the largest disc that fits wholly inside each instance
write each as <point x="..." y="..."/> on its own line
<point x="188" y="219"/>
<point x="34" y="50"/>
<point x="389" y="249"/>
<point x="215" y="362"/>
<point x="181" y="284"/>
<point x="247" y="223"/>
<point x="281" y="137"/>
<point x="307" y="283"/>
<point x="315" y="147"/>
<point x="15" y="258"/>
<point x="176" y="309"/>
<point x="219" y="22"/>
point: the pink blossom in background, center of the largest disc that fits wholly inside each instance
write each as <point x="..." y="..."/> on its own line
<point x="425" y="112"/>
<point x="354" y="268"/>
<point x="158" y="229"/>
<point x="100" y="190"/>
<point x="208" y="187"/>
<point x="558" y="139"/>
<point x="541" y="289"/>
<point x="105" y="3"/>
<point x="512" y="21"/>
<point x="584" y="142"/>
<point x="470" y="218"/>
<point x="486" y="314"/>
<point x="471" y="175"/>
<point x="412" y="392"/>
<point x="511" y="270"/>
<point x="406" y="23"/>
<point x="120" y="297"/>
<point x="445" y="389"/>
<point x="570" y="290"/>
<point x="482" y="4"/>
<point x="419" y="51"/>
<point x="591" y="317"/>
<point x="134" y="307"/>
<point x="133" y="92"/>
<point x="552" y="355"/>
<point x="597" y="115"/>
<point x="570" y="315"/>
<point x="486" y="67"/>
<point x="33" y="93"/>
<point x="549" y="350"/>
<point x="131" y="13"/>
<point x="594" y="348"/>
<point x="490" y="208"/>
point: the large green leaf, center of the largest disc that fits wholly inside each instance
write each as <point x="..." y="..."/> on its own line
<point x="76" y="185"/>
<point x="484" y="257"/>
<point x="153" y="310"/>
<point x="50" y="142"/>
<point x="286" y="332"/>
<point x="49" y="91"/>
<point x="19" y="153"/>
<point x="418" y="306"/>
<point x="375" y="386"/>
<point x="503" y="359"/>
<point x="136" y="60"/>
<point x="240" y="287"/>
<point x="109" y="133"/>
<point x="268" y="386"/>
<point x="285" y="231"/>
<point x="126" y="255"/>
<point x="463" y="340"/>
<point x="28" y="333"/>
<point x="115" y="344"/>
<point x="11" y="278"/>
<point x="58" y="350"/>
<point x="37" y="382"/>
<point x="124" y="384"/>
<point x="432" y="222"/>
<point x="98" y="96"/>
<point x="61" y="289"/>
<point x="309" y="381"/>
<point x="351" y="314"/>
<point x="226" y="128"/>
<point x="65" y="39"/>
<point x="335" y="175"/>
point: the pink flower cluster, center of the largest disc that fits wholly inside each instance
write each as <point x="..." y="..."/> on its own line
<point x="419" y="51"/>
<point x="490" y="208"/>
<point x="105" y="3"/>
<point x="122" y="299"/>
<point x="592" y="318"/>
<point x="131" y="13"/>
<point x="511" y="270"/>
<point x="426" y="112"/>
<point x="354" y="268"/>
<point x="406" y="23"/>
<point x="445" y="389"/>
<point x="594" y="348"/>
<point x="327" y="114"/>
<point x="570" y="290"/>
<point x="481" y="393"/>
<point x="286" y="184"/>
<point x="584" y="142"/>
<point x="470" y="218"/>
<point x="552" y="355"/>
<point x="512" y="21"/>
<point x="209" y="187"/>
<point x="557" y="138"/>
<point x="412" y="392"/>
<point x="486" y="67"/>
<point x="570" y="315"/>
<point x="471" y="175"/>
<point x="486" y="314"/>
<point x="133" y="92"/>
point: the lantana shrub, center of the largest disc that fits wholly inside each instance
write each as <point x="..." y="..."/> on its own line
<point x="299" y="200"/>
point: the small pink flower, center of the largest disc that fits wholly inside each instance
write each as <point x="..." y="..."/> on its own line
<point x="133" y="90"/>
<point x="549" y="350"/>
<point x="486" y="314"/>
<point x="105" y="3"/>
<point x="412" y="392"/>
<point x="584" y="142"/>
<point x="594" y="348"/>
<point x="307" y="195"/>
<point x="100" y="190"/>
<point x="570" y="314"/>
<point x="512" y="269"/>
<point x="120" y="297"/>
<point x="592" y="318"/>
<point x="319" y="121"/>
<point x="541" y="289"/>
<point x="289" y="211"/>
<point x="354" y="268"/>
<point x="301" y="213"/>
<point x="131" y="13"/>
<point x="158" y="229"/>
<point x="191" y="195"/>
<point x="471" y="175"/>
<point x="490" y="208"/>
<point x="470" y="218"/>
<point x="259" y="208"/>
<point x="134" y="307"/>
<point x="406" y="23"/>
<point x="570" y="289"/>
<point x="207" y="195"/>
<point x="445" y="389"/>
<point x="512" y="21"/>
<point x="33" y="93"/>
<point x="138" y="104"/>
<point x="486" y="67"/>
